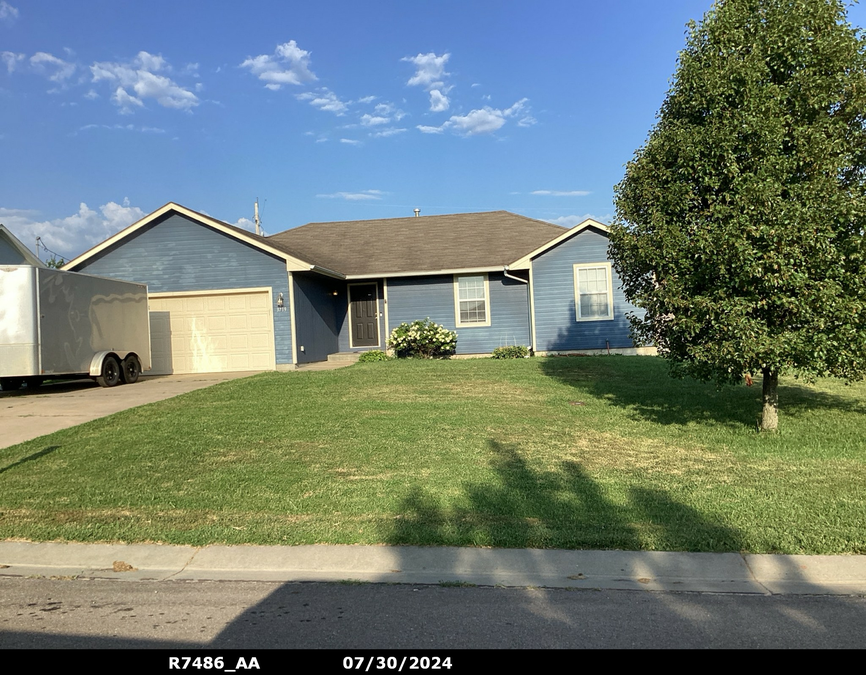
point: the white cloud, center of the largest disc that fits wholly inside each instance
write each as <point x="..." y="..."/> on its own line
<point x="485" y="120"/>
<point x="562" y="193"/>
<point x="438" y="101"/>
<point x="11" y="60"/>
<point x="527" y="121"/>
<point x="387" y="132"/>
<point x="363" y="195"/>
<point x="137" y="81"/>
<point x="429" y="70"/>
<point x="388" y="111"/>
<point x="76" y="233"/>
<point x="367" y="99"/>
<point x="289" y="64"/>
<point x="91" y="95"/>
<point x="325" y="99"/>
<point x="430" y="74"/>
<point x="8" y="13"/>
<point x="125" y="102"/>
<point x="516" y="109"/>
<point x="55" y="69"/>
<point x="350" y="141"/>
<point x="571" y="221"/>
<point x="371" y="121"/>
<point x="149" y="62"/>
<point x="123" y="127"/>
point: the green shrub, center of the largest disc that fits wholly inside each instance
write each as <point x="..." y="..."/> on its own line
<point x="422" y="339"/>
<point x="373" y="355"/>
<point x="513" y="352"/>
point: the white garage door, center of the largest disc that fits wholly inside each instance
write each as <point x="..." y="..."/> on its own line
<point x="211" y="332"/>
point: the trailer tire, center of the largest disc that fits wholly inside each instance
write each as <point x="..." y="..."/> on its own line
<point x="110" y="372"/>
<point x="130" y="369"/>
<point x="11" y="383"/>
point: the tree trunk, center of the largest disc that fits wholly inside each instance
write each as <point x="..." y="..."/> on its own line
<point x="770" y="412"/>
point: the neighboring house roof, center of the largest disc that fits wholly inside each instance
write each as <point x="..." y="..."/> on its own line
<point x="16" y="244"/>
<point x="415" y="245"/>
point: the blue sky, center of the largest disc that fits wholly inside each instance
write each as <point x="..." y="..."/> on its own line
<point x="324" y="110"/>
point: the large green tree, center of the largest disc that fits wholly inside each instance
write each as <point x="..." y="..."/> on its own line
<point x="740" y="223"/>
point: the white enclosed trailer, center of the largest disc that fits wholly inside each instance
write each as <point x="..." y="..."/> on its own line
<point x="56" y="324"/>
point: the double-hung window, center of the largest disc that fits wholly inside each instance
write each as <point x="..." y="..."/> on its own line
<point x="472" y="300"/>
<point x="593" y="292"/>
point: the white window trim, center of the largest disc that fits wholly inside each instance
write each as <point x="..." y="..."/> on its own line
<point x="474" y="324"/>
<point x="586" y="266"/>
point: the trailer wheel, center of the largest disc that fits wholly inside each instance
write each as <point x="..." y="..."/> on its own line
<point x="110" y="373"/>
<point x="11" y="383"/>
<point x="130" y="369"/>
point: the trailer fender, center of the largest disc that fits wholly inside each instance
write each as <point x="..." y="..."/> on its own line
<point x="96" y="362"/>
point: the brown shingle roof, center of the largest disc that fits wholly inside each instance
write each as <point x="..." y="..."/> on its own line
<point x="422" y="244"/>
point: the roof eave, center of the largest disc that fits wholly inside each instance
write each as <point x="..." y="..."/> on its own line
<point x="292" y="263"/>
<point x="426" y="273"/>
<point x="524" y="262"/>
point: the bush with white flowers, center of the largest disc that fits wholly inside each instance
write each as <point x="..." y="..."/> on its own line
<point x="422" y="339"/>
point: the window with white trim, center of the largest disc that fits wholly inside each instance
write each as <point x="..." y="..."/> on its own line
<point x="472" y="300"/>
<point x="593" y="292"/>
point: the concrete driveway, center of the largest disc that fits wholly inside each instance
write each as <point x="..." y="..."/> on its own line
<point x="29" y="414"/>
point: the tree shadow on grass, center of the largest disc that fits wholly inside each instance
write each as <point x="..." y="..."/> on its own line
<point x="557" y="507"/>
<point x="30" y="458"/>
<point x="644" y="387"/>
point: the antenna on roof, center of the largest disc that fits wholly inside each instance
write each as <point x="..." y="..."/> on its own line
<point x="258" y="222"/>
<point x="417" y="212"/>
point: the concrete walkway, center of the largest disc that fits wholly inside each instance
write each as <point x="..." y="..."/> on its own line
<point x="322" y="365"/>
<point x="628" y="570"/>
<point x="25" y="415"/>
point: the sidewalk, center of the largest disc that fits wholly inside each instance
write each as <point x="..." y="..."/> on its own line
<point x="620" y="570"/>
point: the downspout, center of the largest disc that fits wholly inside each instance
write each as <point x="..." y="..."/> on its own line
<point x="511" y="276"/>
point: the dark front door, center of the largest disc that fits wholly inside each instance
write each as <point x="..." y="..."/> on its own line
<point x="364" y="310"/>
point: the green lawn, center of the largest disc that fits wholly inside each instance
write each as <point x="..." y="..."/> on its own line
<point x="600" y="452"/>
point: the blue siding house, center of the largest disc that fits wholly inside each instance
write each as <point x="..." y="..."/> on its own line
<point x="223" y="298"/>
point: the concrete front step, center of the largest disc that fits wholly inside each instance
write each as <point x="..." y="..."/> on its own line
<point x="344" y="357"/>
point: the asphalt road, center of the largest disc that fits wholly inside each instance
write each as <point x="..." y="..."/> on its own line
<point x="113" y="614"/>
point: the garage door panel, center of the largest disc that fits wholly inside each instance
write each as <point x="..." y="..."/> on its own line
<point x="259" y="322"/>
<point x="239" y="343"/>
<point x="238" y="302"/>
<point x="237" y="323"/>
<point x="259" y="341"/>
<point x="216" y="323"/>
<point x="259" y="303"/>
<point x="212" y="333"/>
